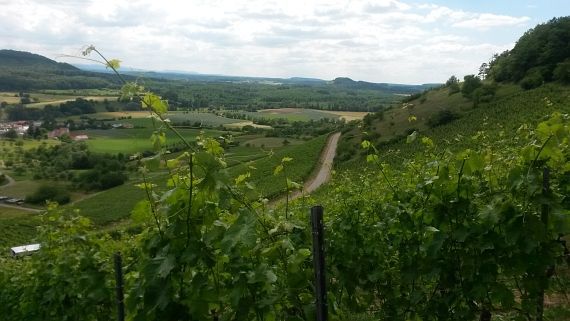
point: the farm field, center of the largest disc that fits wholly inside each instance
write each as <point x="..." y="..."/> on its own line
<point x="304" y="156"/>
<point x="291" y="114"/>
<point x="7" y="145"/>
<point x="40" y="99"/>
<point x="18" y="228"/>
<point x="204" y="118"/>
<point x="81" y="92"/>
<point x="57" y="100"/>
<point x="183" y="118"/>
<point x="348" y="115"/>
<point x="130" y="141"/>
<point x="9" y="97"/>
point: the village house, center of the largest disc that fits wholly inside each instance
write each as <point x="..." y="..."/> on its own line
<point x="19" y="126"/>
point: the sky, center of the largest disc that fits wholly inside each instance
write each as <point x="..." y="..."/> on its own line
<point x="396" y="41"/>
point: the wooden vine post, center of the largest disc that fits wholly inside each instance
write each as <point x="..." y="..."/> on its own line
<point x="119" y="287"/>
<point x="319" y="263"/>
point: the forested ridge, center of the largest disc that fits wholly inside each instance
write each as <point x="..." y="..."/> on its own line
<point x="23" y="71"/>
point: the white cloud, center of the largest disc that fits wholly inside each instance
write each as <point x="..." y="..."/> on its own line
<point x="487" y="21"/>
<point x="381" y="40"/>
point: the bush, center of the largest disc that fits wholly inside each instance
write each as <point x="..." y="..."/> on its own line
<point x="532" y="80"/>
<point x="562" y="71"/>
<point x="484" y="94"/>
<point x="442" y="117"/>
<point x="470" y="84"/>
<point x="454" y="88"/>
<point x="112" y="179"/>
<point x="49" y="193"/>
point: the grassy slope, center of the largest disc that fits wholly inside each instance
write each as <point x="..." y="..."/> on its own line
<point x="511" y="107"/>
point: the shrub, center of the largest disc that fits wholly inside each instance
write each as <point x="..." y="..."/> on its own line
<point x="470" y="84"/>
<point x="49" y="193"/>
<point x="532" y="80"/>
<point x="442" y="117"/>
<point x="562" y="71"/>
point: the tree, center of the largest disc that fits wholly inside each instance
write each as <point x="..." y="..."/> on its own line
<point x="11" y="134"/>
<point x="452" y="80"/>
<point x="49" y="193"/>
<point x="483" y="71"/>
<point x="453" y="84"/>
<point x="542" y="47"/>
<point x="562" y="71"/>
<point x="470" y="83"/>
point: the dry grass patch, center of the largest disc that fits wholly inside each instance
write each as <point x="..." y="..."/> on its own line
<point x="348" y="115"/>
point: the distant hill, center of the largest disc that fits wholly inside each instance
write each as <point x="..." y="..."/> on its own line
<point x="22" y="71"/>
<point x="22" y="59"/>
<point x="399" y="88"/>
<point x="341" y="82"/>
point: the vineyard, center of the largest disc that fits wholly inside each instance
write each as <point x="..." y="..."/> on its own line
<point x="451" y="236"/>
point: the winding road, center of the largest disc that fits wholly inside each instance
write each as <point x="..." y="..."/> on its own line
<point x="326" y="162"/>
<point x="321" y="175"/>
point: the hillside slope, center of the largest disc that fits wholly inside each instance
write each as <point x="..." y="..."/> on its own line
<point x="22" y="71"/>
<point x="22" y="59"/>
<point x="446" y="118"/>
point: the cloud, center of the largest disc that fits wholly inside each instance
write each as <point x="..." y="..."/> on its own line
<point x="380" y="40"/>
<point x="487" y="21"/>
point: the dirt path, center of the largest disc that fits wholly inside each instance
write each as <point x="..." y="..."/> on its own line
<point x="11" y="181"/>
<point x="320" y="176"/>
<point x="326" y="162"/>
<point x="20" y="208"/>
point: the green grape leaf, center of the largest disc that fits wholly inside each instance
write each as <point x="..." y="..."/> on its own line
<point x="141" y="212"/>
<point x="241" y="178"/>
<point x="166" y="266"/>
<point x="154" y="102"/>
<point x="113" y="63"/>
<point x="372" y="158"/>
